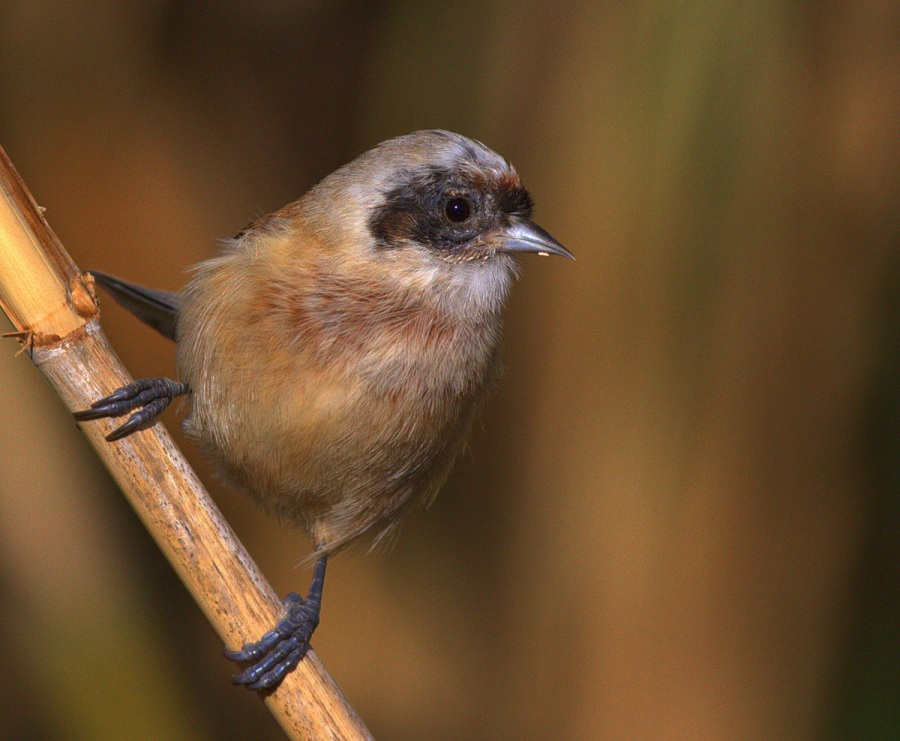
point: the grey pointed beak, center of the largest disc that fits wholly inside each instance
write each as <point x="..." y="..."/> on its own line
<point x="523" y="235"/>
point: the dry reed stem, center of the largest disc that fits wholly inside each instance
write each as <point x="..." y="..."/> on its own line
<point x="54" y="310"/>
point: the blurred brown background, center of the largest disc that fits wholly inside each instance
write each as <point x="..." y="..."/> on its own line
<point x="679" y="516"/>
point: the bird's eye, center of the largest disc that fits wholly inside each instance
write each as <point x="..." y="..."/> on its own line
<point x="458" y="209"/>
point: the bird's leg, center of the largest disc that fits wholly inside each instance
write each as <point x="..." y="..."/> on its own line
<point x="282" y="648"/>
<point x="149" y="396"/>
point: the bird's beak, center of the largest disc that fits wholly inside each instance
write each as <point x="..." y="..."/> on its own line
<point x="523" y="235"/>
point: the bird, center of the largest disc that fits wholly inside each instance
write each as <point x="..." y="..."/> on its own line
<point x="336" y="352"/>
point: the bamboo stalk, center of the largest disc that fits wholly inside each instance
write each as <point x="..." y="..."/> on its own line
<point x="54" y="310"/>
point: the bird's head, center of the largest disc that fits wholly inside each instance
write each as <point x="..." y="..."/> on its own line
<point x="434" y="194"/>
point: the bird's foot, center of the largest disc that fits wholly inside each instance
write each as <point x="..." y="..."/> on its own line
<point x="150" y="396"/>
<point x="281" y="649"/>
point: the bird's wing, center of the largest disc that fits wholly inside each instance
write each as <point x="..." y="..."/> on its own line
<point x="159" y="309"/>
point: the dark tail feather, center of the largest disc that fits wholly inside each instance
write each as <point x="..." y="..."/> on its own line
<point x="159" y="309"/>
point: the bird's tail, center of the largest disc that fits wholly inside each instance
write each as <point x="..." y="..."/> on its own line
<point x="159" y="309"/>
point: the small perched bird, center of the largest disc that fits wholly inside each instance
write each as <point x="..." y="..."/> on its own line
<point x="336" y="352"/>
